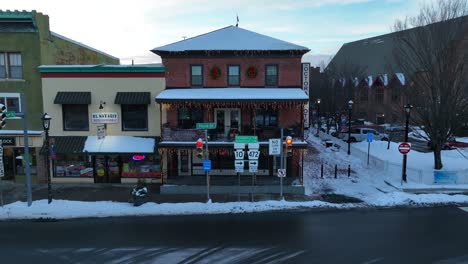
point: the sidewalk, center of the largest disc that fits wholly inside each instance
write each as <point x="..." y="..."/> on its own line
<point x="122" y="193"/>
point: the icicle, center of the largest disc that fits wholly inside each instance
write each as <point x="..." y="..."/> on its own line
<point x="369" y="81"/>
<point x="385" y="79"/>
<point x="356" y="81"/>
<point x="401" y="77"/>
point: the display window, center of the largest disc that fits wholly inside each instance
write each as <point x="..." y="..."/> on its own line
<point x="73" y="166"/>
<point x="141" y="166"/>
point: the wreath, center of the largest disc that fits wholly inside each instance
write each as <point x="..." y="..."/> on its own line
<point x="251" y="72"/>
<point x="215" y="73"/>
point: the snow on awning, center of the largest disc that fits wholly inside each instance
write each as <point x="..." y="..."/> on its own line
<point x="119" y="144"/>
<point x="232" y="94"/>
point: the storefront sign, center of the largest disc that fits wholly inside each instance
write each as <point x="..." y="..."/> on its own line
<point x="105" y="118"/>
<point x="138" y="157"/>
<point x="8" y="141"/>
<point x="305" y="88"/>
<point x="101" y="132"/>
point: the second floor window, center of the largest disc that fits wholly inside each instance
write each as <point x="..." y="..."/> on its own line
<point x="234" y="75"/>
<point x="75" y="117"/>
<point x="196" y="75"/>
<point x="267" y="119"/>
<point x="135" y="117"/>
<point x="271" y="75"/>
<point x="11" y="101"/>
<point x="10" y="65"/>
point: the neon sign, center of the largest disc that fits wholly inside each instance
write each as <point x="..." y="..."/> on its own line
<point x="138" y="157"/>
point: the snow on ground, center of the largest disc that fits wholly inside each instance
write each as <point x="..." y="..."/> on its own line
<point x="462" y="139"/>
<point x="62" y="209"/>
<point x="367" y="183"/>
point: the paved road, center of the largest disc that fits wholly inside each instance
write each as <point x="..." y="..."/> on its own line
<point x="428" y="235"/>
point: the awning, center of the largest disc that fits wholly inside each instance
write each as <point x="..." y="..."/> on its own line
<point x="119" y="144"/>
<point x="68" y="144"/>
<point x="232" y="95"/>
<point x="73" y="98"/>
<point x="133" y="98"/>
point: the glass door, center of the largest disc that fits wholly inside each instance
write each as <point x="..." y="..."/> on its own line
<point x="100" y="169"/>
<point x="107" y="169"/>
<point x="113" y="170"/>
<point x="227" y="122"/>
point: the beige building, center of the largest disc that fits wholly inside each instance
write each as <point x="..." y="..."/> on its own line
<point x="105" y="123"/>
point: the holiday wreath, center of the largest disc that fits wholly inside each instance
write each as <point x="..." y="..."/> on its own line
<point x="251" y="72"/>
<point x="215" y="73"/>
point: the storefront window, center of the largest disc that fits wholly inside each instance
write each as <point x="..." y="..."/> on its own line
<point x="73" y="166"/>
<point x="141" y="166"/>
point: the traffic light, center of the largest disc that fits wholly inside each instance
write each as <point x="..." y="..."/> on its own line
<point x="289" y="142"/>
<point x="2" y="116"/>
<point x="199" y="149"/>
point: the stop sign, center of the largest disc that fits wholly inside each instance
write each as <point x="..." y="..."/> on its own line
<point x="404" y="148"/>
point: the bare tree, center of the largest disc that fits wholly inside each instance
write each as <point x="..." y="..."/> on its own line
<point x="431" y="48"/>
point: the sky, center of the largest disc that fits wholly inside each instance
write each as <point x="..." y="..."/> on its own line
<point x="129" y="29"/>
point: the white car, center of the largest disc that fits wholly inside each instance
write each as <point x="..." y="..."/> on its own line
<point x="360" y="134"/>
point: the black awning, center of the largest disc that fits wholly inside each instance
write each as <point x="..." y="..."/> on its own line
<point x="133" y="98"/>
<point x="69" y="144"/>
<point x="73" y="98"/>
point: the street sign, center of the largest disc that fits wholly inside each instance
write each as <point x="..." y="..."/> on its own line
<point x="239" y="154"/>
<point x="253" y="146"/>
<point x="206" y="165"/>
<point x="101" y="132"/>
<point x="253" y="166"/>
<point x="206" y="125"/>
<point x="274" y="146"/>
<point x="246" y="139"/>
<point x="240" y="169"/>
<point x="281" y="173"/>
<point x="239" y="145"/>
<point x="404" y="148"/>
<point x="10" y="114"/>
<point x="370" y="137"/>
<point x="239" y="165"/>
<point x="254" y="154"/>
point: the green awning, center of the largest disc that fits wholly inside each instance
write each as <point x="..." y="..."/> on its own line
<point x="73" y="98"/>
<point x="133" y="98"/>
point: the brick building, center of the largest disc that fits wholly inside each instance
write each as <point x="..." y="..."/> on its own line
<point x="246" y="83"/>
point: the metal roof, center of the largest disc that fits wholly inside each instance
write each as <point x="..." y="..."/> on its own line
<point x="133" y="98"/>
<point x="69" y="144"/>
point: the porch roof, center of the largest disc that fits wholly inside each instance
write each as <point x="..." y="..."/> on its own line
<point x="232" y="95"/>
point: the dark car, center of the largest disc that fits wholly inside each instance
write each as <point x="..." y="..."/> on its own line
<point x="451" y="144"/>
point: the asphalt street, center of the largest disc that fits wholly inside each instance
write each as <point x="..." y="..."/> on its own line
<point x="424" y="235"/>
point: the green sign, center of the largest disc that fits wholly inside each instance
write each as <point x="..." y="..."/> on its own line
<point x="206" y="125"/>
<point x="10" y="114"/>
<point x="246" y="139"/>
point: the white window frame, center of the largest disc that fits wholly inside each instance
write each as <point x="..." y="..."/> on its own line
<point x="12" y="95"/>
<point x="6" y="60"/>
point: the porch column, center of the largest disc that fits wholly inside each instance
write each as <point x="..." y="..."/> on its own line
<point x="160" y="120"/>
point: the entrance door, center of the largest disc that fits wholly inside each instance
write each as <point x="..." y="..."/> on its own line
<point x="227" y="120"/>
<point x="107" y="169"/>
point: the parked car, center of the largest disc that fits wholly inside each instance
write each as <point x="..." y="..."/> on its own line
<point x="451" y="144"/>
<point x="360" y="134"/>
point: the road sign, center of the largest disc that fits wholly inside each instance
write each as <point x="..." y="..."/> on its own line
<point x="254" y="154"/>
<point x="240" y="169"/>
<point x="206" y="125"/>
<point x="10" y="114"/>
<point x="274" y="146"/>
<point x="239" y="165"/>
<point x="281" y="173"/>
<point x="101" y="132"/>
<point x="404" y="148"/>
<point x="253" y="166"/>
<point x="239" y="154"/>
<point x="370" y="137"/>
<point x="206" y="165"/>
<point x="239" y="145"/>
<point x="253" y="146"/>
<point x="246" y="139"/>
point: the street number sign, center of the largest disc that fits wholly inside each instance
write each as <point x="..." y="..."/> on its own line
<point x="404" y="148"/>
<point x="281" y="173"/>
<point x="254" y="154"/>
<point x="239" y="154"/>
<point x="274" y="146"/>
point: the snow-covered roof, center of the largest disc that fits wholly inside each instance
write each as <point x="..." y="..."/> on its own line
<point x="230" y="94"/>
<point x="119" y="144"/>
<point x="230" y="38"/>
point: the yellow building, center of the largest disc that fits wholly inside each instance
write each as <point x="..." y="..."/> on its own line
<point x="105" y="123"/>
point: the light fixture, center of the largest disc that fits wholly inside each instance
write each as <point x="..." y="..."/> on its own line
<point x="350" y="104"/>
<point x="408" y="108"/>
<point x="101" y="104"/>
<point x="46" y="121"/>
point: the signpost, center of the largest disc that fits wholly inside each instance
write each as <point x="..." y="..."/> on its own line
<point x="274" y="146"/>
<point x="404" y="148"/>
<point x="207" y="126"/>
<point x="370" y="137"/>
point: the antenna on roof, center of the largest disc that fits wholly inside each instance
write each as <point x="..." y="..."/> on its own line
<point x="184" y="37"/>
<point x="237" y="23"/>
<point x="132" y="62"/>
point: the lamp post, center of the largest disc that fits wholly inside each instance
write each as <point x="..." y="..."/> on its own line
<point x="350" y="110"/>
<point x="407" y="113"/>
<point x="46" y="125"/>
<point x="318" y="116"/>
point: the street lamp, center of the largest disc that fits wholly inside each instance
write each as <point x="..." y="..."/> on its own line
<point x="407" y="113"/>
<point x="318" y="115"/>
<point x="46" y="125"/>
<point x="350" y="110"/>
